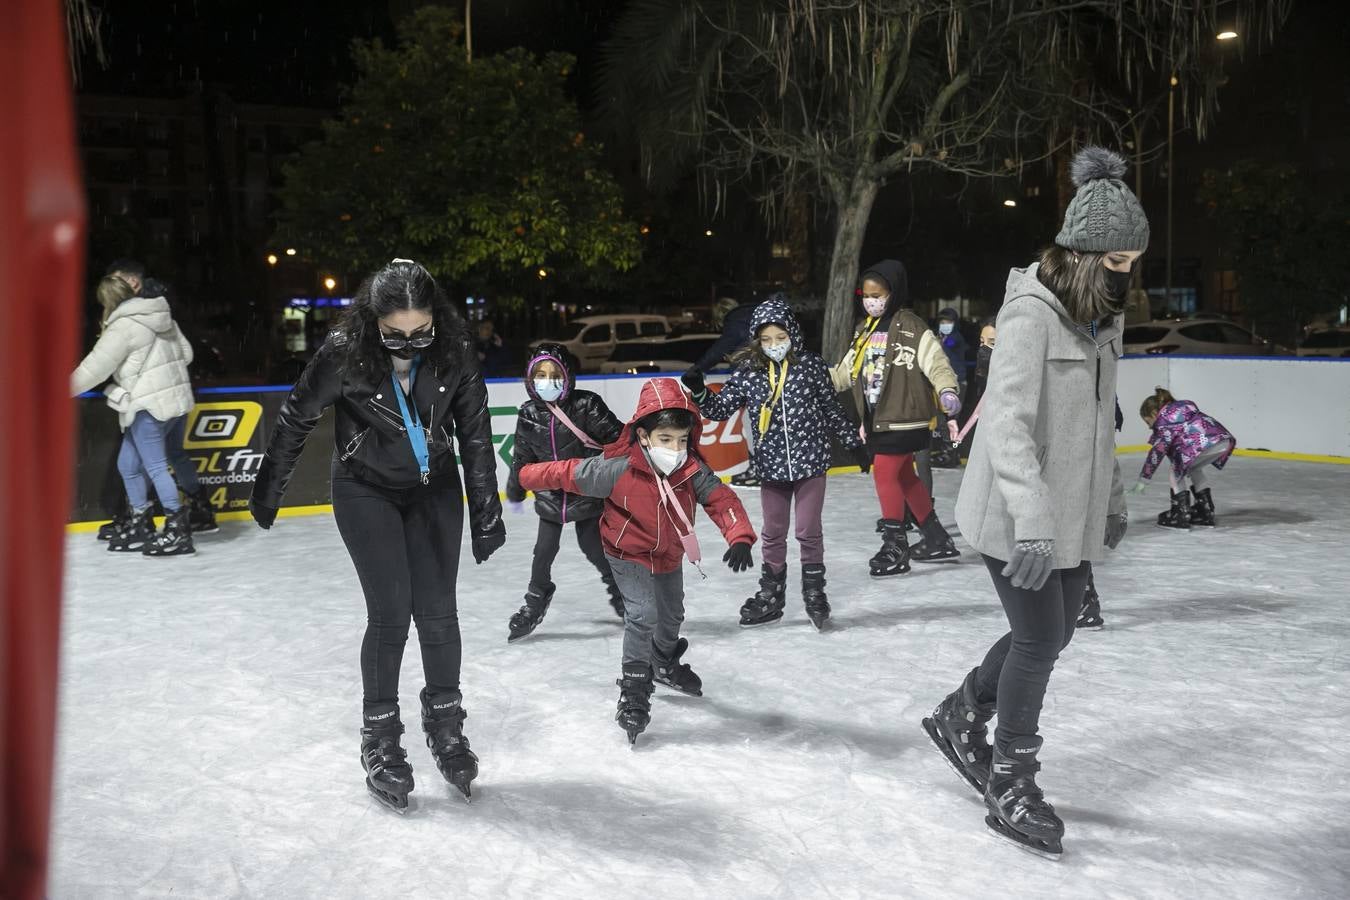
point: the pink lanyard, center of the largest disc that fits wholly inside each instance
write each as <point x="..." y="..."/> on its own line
<point x="688" y="540"/>
<point x="960" y="436"/>
<point x="582" y="436"/>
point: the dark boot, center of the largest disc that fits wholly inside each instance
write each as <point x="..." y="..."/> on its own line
<point x="443" y="723"/>
<point x="134" y="534"/>
<point x="1202" y="509"/>
<point x="936" y="545"/>
<point x="1179" y="516"/>
<point x="813" y="594"/>
<point x="747" y="479"/>
<point x="175" y="539"/>
<point x="675" y="674"/>
<point x="1090" y="615"/>
<point x="893" y="557"/>
<point x="528" y="617"/>
<point x="1017" y="808"/>
<point x="615" y="595"/>
<point x="121" y="520"/>
<point x="201" y="514"/>
<point x="957" y="728"/>
<point x="389" y="778"/>
<point x="767" y="604"/>
<point x="635" y="700"/>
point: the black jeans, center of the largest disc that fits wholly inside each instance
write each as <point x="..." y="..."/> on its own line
<point x="405" y="545"/>
<point x="550" y="538"/>
<point x="1017" y="669"/>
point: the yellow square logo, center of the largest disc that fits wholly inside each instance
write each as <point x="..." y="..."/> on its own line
<point x="214" y="426"/>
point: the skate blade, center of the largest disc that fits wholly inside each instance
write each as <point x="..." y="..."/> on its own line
<point x="681" y="690"/>
<point x="777" y="618"/>
<point x="940" y="742"/>
<point x="468" y="794"/>
<point x="1037" y="847"/>
<point x="390" y="803"/>
<point x="820" y="626"/>
<point x="939" y="560"/>
<point x="904" y="571"/>
<point x="518" y="638"/>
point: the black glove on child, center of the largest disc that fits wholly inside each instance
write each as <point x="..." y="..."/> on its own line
<point x="693" y="380"/>
<point x="263" y="515"/>
<point x="737" y="557"/>
<point x="488" y="542"/>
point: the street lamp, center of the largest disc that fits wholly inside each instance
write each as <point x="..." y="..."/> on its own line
<point x="1226" y="35"/>
<point x="271" y="259"/>
<point x="708" y="233"/>
<point x="1010" y="203"/>
<point x="290" y="251"/>
<point x="330" y="282"/>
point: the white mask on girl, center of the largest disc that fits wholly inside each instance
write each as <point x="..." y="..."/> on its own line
<point x="875" y="306"/>
<point x="548" y="389"/>
<point x="777" y="352"/>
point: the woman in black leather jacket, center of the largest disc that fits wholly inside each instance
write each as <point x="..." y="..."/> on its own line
<point x="404" y="380"/>
<point x="550" y="380"/>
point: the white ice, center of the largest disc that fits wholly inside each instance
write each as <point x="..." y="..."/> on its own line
<point x="1195" y="747"/>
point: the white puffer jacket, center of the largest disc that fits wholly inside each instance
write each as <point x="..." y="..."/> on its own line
<point x="147" y="357"/>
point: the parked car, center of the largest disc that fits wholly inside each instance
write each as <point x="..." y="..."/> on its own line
<point x="593" y="338"/>
<point x="652" y="355"/>
<point x="1191" y="337"/>
<point x="1331" y="342"/>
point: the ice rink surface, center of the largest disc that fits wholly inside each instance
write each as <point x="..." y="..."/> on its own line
<point x="1196" y="747"/>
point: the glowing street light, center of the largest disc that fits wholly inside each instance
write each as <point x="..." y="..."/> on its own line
<point x="1226" y="35"/>
<point x="1010" y="203"/>
<point x="708" y="233"/>
<point x="543" y="273"/>
<point x="290" y="251"/>
<point x="330" y="282"/>
<point x="271" y="259"/>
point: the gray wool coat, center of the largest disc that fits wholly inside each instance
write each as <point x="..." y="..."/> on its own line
<point x="1043" y="464"/>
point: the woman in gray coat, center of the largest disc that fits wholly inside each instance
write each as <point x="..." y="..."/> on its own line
<point x="1042" y="494"/>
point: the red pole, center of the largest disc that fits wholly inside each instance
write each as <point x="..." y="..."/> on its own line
<point x="42" y="234"/>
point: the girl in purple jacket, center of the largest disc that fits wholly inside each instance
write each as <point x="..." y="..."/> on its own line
<point x="1190" y="440"/>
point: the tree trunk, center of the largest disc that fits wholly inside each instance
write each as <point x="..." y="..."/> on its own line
<point x="850" y="229"/>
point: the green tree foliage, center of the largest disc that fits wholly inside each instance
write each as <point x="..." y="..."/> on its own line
<point x="1285" y="239"/>
<point x="480" y="171"/>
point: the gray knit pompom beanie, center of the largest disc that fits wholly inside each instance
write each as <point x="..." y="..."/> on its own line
<point x="1104" y="215"/>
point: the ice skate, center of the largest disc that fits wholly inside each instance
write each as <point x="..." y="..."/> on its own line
<point x="1179" y="516"/>
<point x="957" y="729"/>
<point x="1017" y="808"/>
<point x="893" y="557"/>
<point x="615" y="596"/>
<point x="121" y="520"/>
<point x="175" y="539"/>
<point x="635" y="700"/>
<point x="674" y="674"/>
<point x="813" y="594"/>
<point x="135" y="533"/>
<point x="443" y="723"/>
<point x="767" y="604"/>
<point x="936" y="546"/>
<point x="201" y="514"/>
<point x="389" y="778"/>
<point x="1090" y="615"/>
<point x="1202" y="508"/>
<point x="527" y="618"/>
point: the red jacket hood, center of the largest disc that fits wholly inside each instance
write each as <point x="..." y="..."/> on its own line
<point x="658" y="394"/>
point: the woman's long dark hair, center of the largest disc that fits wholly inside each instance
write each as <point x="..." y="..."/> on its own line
<point x="1078" y="279"/>
<point x="402" y="285"/>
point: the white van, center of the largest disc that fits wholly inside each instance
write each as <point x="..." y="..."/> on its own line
<point x="592" y="338"/>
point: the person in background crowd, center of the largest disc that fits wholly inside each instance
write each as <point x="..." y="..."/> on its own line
<point x="493" y="355"/>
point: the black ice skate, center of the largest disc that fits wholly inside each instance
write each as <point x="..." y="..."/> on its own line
<point x="936" y="545"/>
<point x="1017" y="808"/>
<point x="443" y="722"/>
<point x="813" y="594"/>
<point x="120" y="521"/>
<point x="134" y="534"/>
<point x="615" y="595"/>
<point x="1090" y="615"/>
<point x="1179" y="516"/>
<point x="1202" y="508"/>
<point x="675" y="674"/>
<point x="527" y="618"/>
<point x="767" y="604"/>
<point x="175" y="539"/>
<point x="201" y="514"/>
<point x="747" y="479"/>
<point x="635" y="700"/>
<point x="957" y="729"/>
<point x="893" y="557"/>
<point x="389" y="778"/>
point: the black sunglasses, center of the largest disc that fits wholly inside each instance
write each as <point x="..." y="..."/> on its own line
<point x="420" y="341"/>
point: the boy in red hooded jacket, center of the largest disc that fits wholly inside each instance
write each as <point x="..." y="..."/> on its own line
<point x="651" y="479"/>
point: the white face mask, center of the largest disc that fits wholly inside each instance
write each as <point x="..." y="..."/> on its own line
<point x="667" y="460"/>
<point x="548" y="389"/>
<point x="776" y="352"/>
<point x="946" y="327"/>
<point x="875" y="306"/>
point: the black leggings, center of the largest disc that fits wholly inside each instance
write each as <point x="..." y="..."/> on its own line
<point x="405" y="545"/>
<point x="546" y="550"/>
<point x="1017" y="669"/>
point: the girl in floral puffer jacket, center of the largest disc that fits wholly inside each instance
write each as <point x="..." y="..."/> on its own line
<point x="1190" y="440"/>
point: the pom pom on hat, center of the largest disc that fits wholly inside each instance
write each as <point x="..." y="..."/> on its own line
<point x="1093" y="163"/>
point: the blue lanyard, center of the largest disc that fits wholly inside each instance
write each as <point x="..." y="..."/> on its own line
<point x="412" y="421"/>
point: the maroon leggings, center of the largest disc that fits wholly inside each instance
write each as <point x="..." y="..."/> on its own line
<point x="898" y="485"/>
<point x="776" y="502"/>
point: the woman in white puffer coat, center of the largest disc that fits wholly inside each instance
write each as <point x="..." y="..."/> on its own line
<point x="147" y="357"/>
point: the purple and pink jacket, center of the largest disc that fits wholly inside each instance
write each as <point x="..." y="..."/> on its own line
<point x="1180" y="434"/>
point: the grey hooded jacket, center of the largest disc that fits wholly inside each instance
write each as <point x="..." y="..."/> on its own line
<point x="1043" y="463"/>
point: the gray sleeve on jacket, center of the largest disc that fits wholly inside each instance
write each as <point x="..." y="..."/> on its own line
<point x="705" y="482"/>
<point x="596" y="475"/>
<point x="1012" y="400"/>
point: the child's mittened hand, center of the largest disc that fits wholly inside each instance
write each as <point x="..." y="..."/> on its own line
<point x="693" y="380"/>
<point x="950" y="403"/>
<point x="1115" y="530"/>
<point x="1137" y="488"/>
<point x="737" y="557"/>
<point x="517" y="507"/>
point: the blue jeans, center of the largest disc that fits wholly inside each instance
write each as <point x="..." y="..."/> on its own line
<point x="143" y="455"/>
<point x="184" y="470"/>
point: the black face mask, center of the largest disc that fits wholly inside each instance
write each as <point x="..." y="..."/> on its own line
<point x="1118" y="285"/>
<point x="982" y="359"/>
<point x="405" y="353"/>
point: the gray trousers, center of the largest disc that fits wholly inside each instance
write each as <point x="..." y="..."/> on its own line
<point x="1196" y="473"/>
<point x="653" y="609"/>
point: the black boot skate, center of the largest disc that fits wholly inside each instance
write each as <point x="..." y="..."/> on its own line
<point x="767" y="604"/>
<point x="443" y="723"/>
<point x="201" y="514"/>
<point x="675" y="674"/>
<point x="936" y="545"/>
<point x="615" y="596"/>
<point x="893" y="557"/>
<point x="135" y="534"/>
<point x="1090" y="616"/>
<point x="813" y="594"/>
<point x="527" y="618"/>
<point x="1202" y="508"/>
<point x="175" y="539"/>
<point x="635" y="700"/>
<point x="121" y="520"/>
<point x="389" y="778"/>
<point x="957" y="728"/>
<point x="1017" y="808"/>
<point x="1179" y="516"/>
<point x="747" y="479"/>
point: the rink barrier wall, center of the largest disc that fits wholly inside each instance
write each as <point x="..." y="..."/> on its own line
<point x="1283" y="408"/>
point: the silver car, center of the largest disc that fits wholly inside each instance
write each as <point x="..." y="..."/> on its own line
<point x="1194" y="337"/>
<point x="1329" y="342"/>
<point x="653" y="355"/>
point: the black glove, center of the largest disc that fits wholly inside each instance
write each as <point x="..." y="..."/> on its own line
<point x="1031" y="564"/>
<point x="863" y="459"/>
<point x="263" y="515"/>
<point x="737" y="557"/>
<point x="488" y="542"/>
<point x="693" y="379"/>
<point x="1115" y="530"/>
